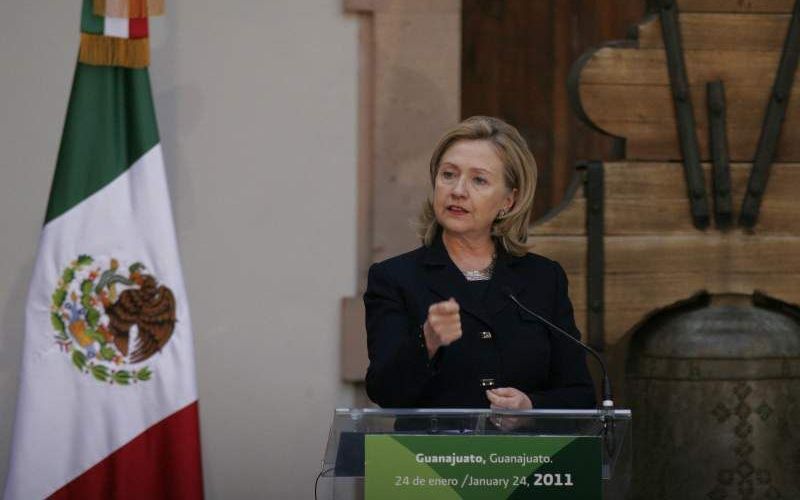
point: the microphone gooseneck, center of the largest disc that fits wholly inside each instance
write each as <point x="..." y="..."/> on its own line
<point x="608" y="402"/>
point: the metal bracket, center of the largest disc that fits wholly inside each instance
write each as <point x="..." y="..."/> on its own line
<point x="773" y="122"/>
<point x="595" y="255"/>
<point x="718" y="143"/>
<point x="684" y="112"/>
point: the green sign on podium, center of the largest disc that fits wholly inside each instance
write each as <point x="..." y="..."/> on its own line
<point x="485" y="467"/>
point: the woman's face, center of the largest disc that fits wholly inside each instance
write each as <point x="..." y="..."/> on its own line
<point x="470" y="189"/>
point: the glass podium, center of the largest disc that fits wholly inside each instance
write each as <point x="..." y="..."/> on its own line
<point x="343" y="466"/>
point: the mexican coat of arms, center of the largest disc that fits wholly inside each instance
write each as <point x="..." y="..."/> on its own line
<point x="110" y="320"/>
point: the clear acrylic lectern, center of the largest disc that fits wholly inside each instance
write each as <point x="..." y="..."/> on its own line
<point x="342" y="474"/>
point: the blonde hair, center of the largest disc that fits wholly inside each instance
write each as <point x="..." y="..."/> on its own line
<point x="510" y="229"/>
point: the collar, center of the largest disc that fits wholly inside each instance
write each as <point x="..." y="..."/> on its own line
<point x="446" y="280"/>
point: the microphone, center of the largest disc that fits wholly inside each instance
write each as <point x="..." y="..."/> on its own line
<point x="608" y="402"/>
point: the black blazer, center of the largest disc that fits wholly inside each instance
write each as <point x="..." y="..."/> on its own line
<point x="517" y="351"/>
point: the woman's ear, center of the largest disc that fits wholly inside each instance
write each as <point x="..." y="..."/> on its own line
<point x="511" y="200"/>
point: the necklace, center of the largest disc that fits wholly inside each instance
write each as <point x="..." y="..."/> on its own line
<point x="484" y="274"/>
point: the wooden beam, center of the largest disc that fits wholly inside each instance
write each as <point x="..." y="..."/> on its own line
<point x="649" y="198"/>
<point x="634" y="291"/>
<point x="630" y="66"/>
<point x="734" y="252"/>
<point x="750" y="6"/>
<point x="643" y="115"/>
<point x="737" y="32"/>
<point x="623" y="102"/>
<point x="570" y="221"/>
<point x="649" y="141"/>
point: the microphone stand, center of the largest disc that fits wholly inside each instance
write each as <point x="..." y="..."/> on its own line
<point x="607" y="409"/>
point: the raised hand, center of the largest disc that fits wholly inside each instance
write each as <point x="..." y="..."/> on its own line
<point x="443" y="325"/>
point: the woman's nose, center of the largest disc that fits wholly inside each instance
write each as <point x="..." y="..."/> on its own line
<point x="460" y="189"/>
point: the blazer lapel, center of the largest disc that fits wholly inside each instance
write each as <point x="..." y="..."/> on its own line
<point x="445" y="280"/>
<point x="505" y="278"/>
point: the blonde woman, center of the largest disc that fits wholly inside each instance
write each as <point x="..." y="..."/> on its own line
<point x="441" y="328"/>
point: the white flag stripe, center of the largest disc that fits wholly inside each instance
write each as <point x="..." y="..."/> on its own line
<point x="67" y="414"/>
<point x="116" y="26"/>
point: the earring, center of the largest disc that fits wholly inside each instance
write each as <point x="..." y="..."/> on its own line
<point x="502" y="213"/>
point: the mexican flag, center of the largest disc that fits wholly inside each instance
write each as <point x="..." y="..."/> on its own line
<point x="108" y="403"/>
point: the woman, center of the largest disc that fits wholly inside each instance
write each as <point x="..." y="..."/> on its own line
<point x="441" y="328"/>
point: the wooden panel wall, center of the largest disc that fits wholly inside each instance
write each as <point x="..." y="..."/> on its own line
<point x="626" y="90"/>
<point x="516" y="55"/>
<point x="653" y="254"/>
<point x="655" y="257"/>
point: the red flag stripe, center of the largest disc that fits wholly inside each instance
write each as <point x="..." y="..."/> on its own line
<point x="162" y="462"/>
<point x="137" y="27"/>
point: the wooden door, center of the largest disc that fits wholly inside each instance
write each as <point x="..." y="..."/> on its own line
<point x="516" y="55"/>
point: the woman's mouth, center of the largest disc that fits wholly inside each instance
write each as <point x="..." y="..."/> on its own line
<point x="457" y="210"/>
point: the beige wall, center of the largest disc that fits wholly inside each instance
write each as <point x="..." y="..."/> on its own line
<point x="257" y="108"/>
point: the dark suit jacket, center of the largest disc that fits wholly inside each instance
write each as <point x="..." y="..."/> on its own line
<point x="517" y="352"/>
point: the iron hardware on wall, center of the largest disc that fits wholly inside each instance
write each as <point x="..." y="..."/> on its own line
<point x="684" y="112"/>
<point x="718" y="142"/>
<point x="595" y="284"/>
<point x="773" y="122"/>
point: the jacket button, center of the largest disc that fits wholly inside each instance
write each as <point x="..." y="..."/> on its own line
<point x="486" y="335"/>
<point x="487" y="383"/>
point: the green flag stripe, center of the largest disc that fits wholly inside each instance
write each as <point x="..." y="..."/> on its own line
<point x="90" y="23"/>
<point x="110" y="124"/>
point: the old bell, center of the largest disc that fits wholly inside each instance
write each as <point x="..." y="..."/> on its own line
<point x="714" y="383"/>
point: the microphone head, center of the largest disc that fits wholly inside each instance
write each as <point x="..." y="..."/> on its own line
<point x="507" y="291"/>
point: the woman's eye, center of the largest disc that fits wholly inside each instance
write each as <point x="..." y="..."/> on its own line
<point x="481" y="181"/>
<point x="447" y="175"/>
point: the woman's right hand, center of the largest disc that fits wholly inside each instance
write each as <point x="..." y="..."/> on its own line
<point x="443" y="326"/>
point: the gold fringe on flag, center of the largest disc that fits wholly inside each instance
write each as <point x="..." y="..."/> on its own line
<point x="99" y="50"/>
<point x="128" y="8"/>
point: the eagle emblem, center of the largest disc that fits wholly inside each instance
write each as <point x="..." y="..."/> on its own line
<point x="110" y="319"/>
